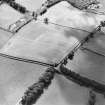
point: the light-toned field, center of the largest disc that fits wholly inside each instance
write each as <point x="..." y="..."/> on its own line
<point x="16" y="76"/>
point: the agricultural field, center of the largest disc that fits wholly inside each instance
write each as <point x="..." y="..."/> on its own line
<point x="31" y="41"/>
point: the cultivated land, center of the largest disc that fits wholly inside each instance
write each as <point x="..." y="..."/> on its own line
<point x="16" y="76"/>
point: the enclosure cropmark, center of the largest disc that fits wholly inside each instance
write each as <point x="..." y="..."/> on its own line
<point x="15" y="27"/>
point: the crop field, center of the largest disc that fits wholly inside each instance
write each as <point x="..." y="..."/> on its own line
<point x="48" y="43"/>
